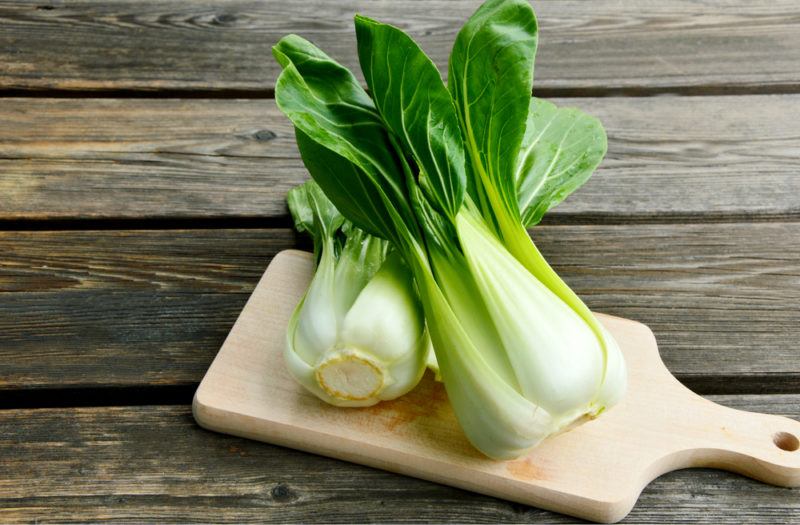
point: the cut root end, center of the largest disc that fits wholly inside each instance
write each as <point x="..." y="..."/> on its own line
<point x="346" y="375"/>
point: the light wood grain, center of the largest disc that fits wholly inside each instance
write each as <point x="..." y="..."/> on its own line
<point x="134" y="464"/>
<point x="594" y="471"/>
<point x="669" y="158"/>
<point x="219" y="45"/>
<point x="136" y="308"/>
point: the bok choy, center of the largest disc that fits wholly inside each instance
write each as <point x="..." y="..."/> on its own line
<point x="451" y="176"/>
<point x="358" y="335"/>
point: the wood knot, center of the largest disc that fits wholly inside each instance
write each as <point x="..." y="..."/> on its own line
<point x="223" y="19"/>
<point x="264" y="135"/>
<point x="283" y="493"/>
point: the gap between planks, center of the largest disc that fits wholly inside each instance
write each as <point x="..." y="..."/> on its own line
<point x="248" y="223"/>
<point x="171" y="395"/>
<point x="93" y="397"/>
<point x="544" y="92"/>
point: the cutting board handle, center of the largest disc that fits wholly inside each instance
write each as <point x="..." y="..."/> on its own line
<point x="702" y="433"/>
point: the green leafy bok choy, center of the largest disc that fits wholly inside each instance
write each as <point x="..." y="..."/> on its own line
<point x="451" y="177"/>
<point x="525" y="155"/>
<point x="358" y="335"/>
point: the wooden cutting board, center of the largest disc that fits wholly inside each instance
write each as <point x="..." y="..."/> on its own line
<point x="595" y="471"/>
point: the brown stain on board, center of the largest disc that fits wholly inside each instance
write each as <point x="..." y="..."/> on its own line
<point x="524" y="469"/>
<point x="396" y="413"/>
<point x="426" y="400"/>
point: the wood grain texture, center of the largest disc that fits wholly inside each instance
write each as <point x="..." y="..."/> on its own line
<point x="154" y="464"/>
<point x="122" y="308"/>
<point x="135" y="308"/>
<point x="218" y="45"/>
<point x="145" y="158"/>
<point x="685" y="158"/>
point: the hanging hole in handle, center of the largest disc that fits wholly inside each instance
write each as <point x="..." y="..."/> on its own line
<point x="786" y="441"/>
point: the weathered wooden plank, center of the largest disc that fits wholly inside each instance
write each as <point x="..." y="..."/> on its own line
<point x="121" y="308"/>
<point x="668" y="157"/>
<point x="145" y="158"/>
<point x="137" y="308"/>
<point x="154" y="464"/>
<point x="218" y="45"/>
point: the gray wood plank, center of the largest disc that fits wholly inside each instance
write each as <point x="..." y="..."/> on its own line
<point x="669" y="158"/>
<point x="98" y="309"/>
<point x="219" y="45"/>
<point x="154" y="464"/>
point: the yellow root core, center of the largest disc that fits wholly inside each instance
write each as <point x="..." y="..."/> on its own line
<point x="348" y="376"/>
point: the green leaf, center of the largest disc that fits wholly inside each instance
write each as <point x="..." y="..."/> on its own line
<point x="490" y="79"/>
<point x="342" y="139"/>
<point x="341" y="180"/>
<point x="313" y="212"/>
<point x="560" y="150"/>
<point x="416" y="107"/>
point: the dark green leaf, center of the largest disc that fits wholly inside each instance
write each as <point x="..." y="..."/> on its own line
<point x="343" y="182"/>
<point x="415" y="105"/>
<point x="490" y="79"/>
<point x="560" y="150"/>
<point x="342" y="139"/>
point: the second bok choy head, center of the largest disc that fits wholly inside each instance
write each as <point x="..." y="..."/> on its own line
<point x="358" y="335"/>
<point x="451" y="176"/>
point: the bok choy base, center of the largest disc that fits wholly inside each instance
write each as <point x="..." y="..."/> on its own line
<point x="358" y="335"/>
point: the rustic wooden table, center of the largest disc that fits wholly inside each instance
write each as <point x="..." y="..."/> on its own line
<point x="143" y="169"/>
